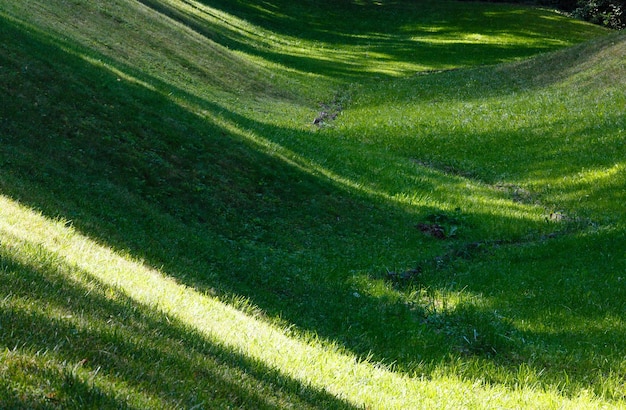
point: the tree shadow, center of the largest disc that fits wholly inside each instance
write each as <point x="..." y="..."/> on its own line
<point x="192" y="198"/>
<point x="212" y="210"/>
<point x="391" y="38"/>
<point x="92" y="333"/>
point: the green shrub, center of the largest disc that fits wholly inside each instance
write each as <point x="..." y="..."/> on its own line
<point x="608" y="13"/>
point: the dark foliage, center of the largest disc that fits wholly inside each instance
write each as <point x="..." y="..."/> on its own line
<point x="608" y="13"/>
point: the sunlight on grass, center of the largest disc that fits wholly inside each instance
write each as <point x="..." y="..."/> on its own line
<point x="366" y="53"/>
<point x="311" y="362"/>
<point x="183" y="133"/>
<point x="450" y="192"/>
<point x="218" y="37"/>
<point x="40" y="367"/>
<point x="260" y="41"/>
<point x="592" y="191"/>
<point x="454" y="193"/>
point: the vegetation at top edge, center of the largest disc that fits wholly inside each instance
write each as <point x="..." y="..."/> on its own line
<point x="396" y="231"/>
<point x="608" y="13"/>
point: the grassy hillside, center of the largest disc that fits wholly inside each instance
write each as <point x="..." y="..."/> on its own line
<point x="278" y="204"/>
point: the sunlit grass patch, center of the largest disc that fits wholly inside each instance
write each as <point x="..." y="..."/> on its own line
<point x="245" y="210"/>
<point x="561" y="306"/>
<point x="305" y="360"/>
<point x="484" y="124"/>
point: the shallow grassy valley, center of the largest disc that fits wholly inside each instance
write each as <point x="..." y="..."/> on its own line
<point x="273" y="204"/>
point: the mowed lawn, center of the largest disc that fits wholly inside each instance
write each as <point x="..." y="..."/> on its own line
<point x="273" y="204"/>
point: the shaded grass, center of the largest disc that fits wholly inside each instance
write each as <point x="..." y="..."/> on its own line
<point x="226" y="187"/>
<point x="572" y="130"/>
<point x="567" y="311"/>
<point x="229" y="237"/>
<point x="322" y="365"/>
<point x="386" y="38"/>
<point x="103" y="350"/>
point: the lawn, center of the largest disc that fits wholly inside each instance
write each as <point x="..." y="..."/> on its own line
<point x="274" y="204"/>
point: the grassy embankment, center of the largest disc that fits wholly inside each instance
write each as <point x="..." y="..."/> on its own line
<point x="175" y="231"/>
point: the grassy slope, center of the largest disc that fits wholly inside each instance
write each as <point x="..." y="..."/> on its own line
<point x="554" y="140"/>
<point x="201" y="160"/>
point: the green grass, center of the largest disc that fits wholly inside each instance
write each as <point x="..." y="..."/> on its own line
<point x="176" y="232"/>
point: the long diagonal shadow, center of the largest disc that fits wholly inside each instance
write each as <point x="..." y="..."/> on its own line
<point x="191" y="209"/>
<point x="345" y="49"/>
<point x="188" y="206"/>
<point x="80" y="323"/>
